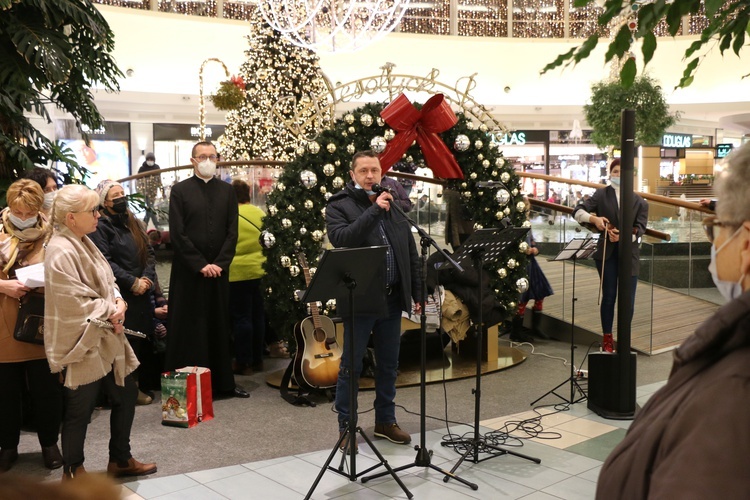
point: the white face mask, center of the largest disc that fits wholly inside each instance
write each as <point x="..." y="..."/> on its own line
<point x="207" y="169"/>
<point x="357" y="186"/>
<point x="615" y="181"/>
<point x="22" y="224"/>
<point x="49" y="198"/>
<point x="728" y="289"/>
<point x="150" y="163"/>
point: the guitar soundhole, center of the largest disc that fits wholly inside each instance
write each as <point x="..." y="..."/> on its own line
<point x="319" y="335"/>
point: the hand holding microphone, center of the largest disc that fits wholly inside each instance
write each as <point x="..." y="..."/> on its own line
<point x="384" y="196"/>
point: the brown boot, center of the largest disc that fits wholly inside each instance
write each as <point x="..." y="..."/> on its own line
<point x="130" y="468"/>
<point x="392" y="432"/>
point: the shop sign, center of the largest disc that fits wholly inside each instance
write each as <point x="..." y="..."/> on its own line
<point x="677" y="140"/>
<point x="109" y="131"/>
<point x="513" y="139"/>
<point x="722" y="150"/>
<point x="180" y="132"/>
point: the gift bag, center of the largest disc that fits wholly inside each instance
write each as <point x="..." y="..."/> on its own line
<point x="186" y="397"/>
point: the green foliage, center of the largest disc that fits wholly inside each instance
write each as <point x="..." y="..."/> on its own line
<point x="51" y="53"/>
<point x="303" y="208"/>
<point x="645" y="96"/>
<point x="228" y="97"/>
<point x="728" y="24"/>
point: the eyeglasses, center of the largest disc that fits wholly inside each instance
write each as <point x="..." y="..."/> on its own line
<point x="210" y="157"/>
<point x="712" y="225"/>
<point x="94" y="211"/>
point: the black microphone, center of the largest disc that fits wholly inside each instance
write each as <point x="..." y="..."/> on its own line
<point x="377" y="188"/>
<point x="491" y="184"/>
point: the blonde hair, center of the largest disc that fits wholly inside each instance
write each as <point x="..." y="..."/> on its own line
<point x="72" y="198"/>
<point x="25" y="193"/>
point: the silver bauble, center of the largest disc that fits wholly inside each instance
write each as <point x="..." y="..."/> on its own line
<point x="338" y="182"/>
<point x="317" y="235"/>
<point x="461" y="143"/>
<point x="297" y="295"/>
<point x="280" y="186"/>
<point x="463" y="185"/>
<point x="267" y="239"/>
<point x="269" y="290"/>
<point x="471" y="125"/>
<point x="365" y="120"/>
<point x="314" y="270"/>
<point x="478" y="226"/>
<point x="286" y="223"/>
<point x="523" y="247"/>
<point x="480" y="157"/>
<point x="272" y="209"/>
<point x="502" y="272"/>
<point x="351" y="130"/>
<point x="351" y="149"/>
<point x="380" y="121"/>
<point x="285" y="261"/>
<point x="290" y="208"/>
<point x="514" y="192"/>
<point x="327" y="196"/>
<point x="500" y="162"/>
<point x="377" y="144"/>
<point x="300" y="151"/>
<point x="504" y="177"/>
<point x="502" y="196"/>
<point x="473" y="176"/>
<point x="483" y="127"/>
<point x="294" y="271"/>
<point x="512" y="263"/>
<point x="331" y="147"/>
<point x="494" y="173"/>
<point x="506" y="211"/>
<point x="308" y="204"/>
<point x="499" y="215"/>
<point x="389" y="134"/>
<point x="467" y="194"/>
<point x="323" y="211"/>
<point x="303" y="230"/>
<point x="308" y="178"/>
<point x="297" y="244"/>
<point x="349" y="118"/>
<point x="526" y="223"/>
<point x="478" y="144"/>
<point x="521" y="206"/>
<point x="486" y="163"/>
<point x="323" y="190"/>
<point x="512" y="306"/>
<point x="331" y="303"/>
<point x="313" y="147"/>
<point x="329" y="169"/>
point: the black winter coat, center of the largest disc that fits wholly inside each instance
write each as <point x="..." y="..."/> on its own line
<point x="352" y="221"/>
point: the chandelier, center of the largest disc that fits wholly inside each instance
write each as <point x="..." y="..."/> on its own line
<point x="333" y="25"/>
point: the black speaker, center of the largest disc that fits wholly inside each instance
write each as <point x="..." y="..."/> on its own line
<point x="611" y="393"/>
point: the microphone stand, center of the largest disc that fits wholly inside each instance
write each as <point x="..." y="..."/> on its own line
<point x="424" y="456"/>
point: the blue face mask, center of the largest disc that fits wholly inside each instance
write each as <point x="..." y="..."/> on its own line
<point x="615" y="181"/>
<point x="369" y="193"/>
<point x="728" y="289"/>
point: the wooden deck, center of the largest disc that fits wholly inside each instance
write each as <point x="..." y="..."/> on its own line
<point x="662" y="320"/>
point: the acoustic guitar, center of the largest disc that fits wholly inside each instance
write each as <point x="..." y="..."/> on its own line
<point x="318" y="356"/>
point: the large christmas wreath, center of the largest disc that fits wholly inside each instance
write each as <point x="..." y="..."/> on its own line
<point x="295" y="222"/>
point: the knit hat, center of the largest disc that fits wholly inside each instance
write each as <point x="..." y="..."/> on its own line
<point x="150" y="156"/>
<point x="103" y="188"/>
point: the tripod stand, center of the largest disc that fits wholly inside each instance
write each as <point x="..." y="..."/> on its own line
<point x="485" y="245"/>
<point x="342" y="266"/>
<point x="424" y="456"/>
<point x="576" y="249"/>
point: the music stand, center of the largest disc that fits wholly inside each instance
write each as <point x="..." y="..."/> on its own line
<point x="341" y="270"/>
<point x="576" y="249"/>
<point x="484" y="246"/>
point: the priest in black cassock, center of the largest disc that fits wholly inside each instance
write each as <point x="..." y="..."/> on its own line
<point x="203" y="229"/>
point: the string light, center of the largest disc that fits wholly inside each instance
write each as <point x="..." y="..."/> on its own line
<point x="480" y="18"/>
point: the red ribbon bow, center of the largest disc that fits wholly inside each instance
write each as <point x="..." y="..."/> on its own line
<point x="238" y="82"/>
<point x="436" y="116"/>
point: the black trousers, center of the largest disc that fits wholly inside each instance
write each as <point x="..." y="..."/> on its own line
<point x="46" y="398"/>
<point x="79" y="405"/>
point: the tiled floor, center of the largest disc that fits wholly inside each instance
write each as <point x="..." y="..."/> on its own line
<point x="571" y="444"/>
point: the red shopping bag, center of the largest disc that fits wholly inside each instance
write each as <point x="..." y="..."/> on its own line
<point x="186" y="397"/>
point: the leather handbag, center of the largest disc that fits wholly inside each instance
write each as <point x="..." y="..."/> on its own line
<point x="30" y="321"/>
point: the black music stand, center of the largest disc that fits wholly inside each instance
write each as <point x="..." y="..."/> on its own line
<point x="484" y="246"/>
<point x="576" y="249"/>
<point x="341" y="270"/>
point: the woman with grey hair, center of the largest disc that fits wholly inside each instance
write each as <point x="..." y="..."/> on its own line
<point x="80" y="286"/>
<point x="692" y="439"/>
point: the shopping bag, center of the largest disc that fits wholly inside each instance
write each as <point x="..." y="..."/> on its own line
<point x="187" y="398"/>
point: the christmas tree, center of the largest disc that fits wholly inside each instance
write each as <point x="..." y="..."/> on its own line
<point x="296" y="207"/>
<point x="280" y="79"/>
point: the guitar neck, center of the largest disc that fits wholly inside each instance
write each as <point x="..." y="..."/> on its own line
<point x="314" y="312"/>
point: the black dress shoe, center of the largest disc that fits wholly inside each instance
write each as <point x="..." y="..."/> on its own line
<point x="239" y="392"/>
<point x="7" y="457"/>
<point x="52" y="457"/>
